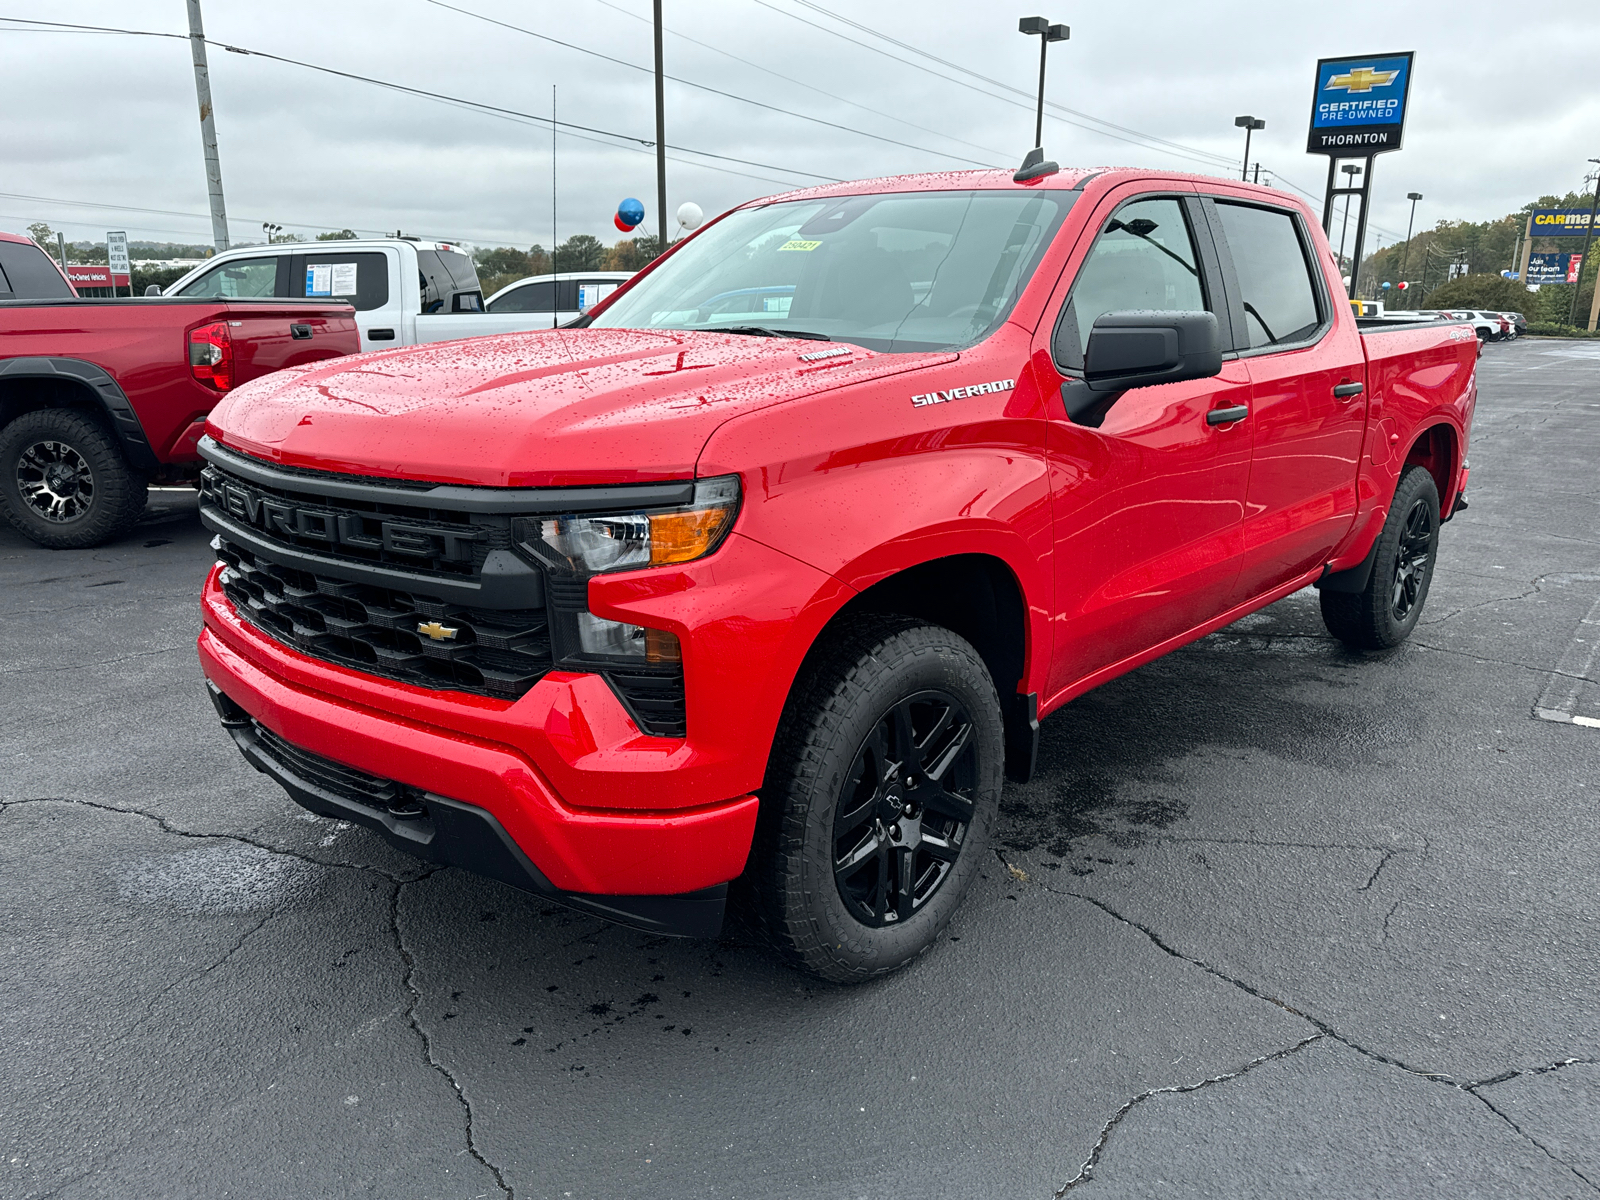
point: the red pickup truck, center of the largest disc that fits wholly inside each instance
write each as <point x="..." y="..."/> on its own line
<point x="99" y="398"/>
<point x="766" y="574"/>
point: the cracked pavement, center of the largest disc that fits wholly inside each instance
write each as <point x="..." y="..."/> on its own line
<point x="1274" y="919"/>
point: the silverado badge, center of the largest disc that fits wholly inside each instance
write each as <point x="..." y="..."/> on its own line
<point x="438" y="632"/>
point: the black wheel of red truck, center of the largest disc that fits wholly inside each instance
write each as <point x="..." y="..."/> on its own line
<point x="1385" y="613"/>
<point x="64" y="482"/>
<point x="879" y="798"/>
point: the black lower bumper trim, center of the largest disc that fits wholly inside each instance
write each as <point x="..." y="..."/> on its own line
<point x="448" y="831"/>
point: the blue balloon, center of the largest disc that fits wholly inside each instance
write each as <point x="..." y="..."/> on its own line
<point x="631" y="211"/>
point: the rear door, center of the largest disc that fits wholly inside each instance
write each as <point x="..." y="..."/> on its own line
<point x="367" y="279"/>
<point x="1308" y="406"/>
<point x="1147" y="506"/>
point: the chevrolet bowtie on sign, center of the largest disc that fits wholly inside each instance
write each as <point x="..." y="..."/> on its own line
<point x="1359" y="106"/>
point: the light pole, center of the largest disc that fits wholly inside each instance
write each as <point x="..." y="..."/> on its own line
<point x="1249" y="125"/>
<point x="1047" y="33"/>
<point x="661" y="146"/>
<point x="1406" y="253"/>
<point x="1572" y="313"/>
<point x="271" y="230"/>
<point x="1351" y="170"/>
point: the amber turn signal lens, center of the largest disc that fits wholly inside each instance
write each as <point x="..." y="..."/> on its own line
<point x="677" y="537"/>
<point x="661" y="646"/>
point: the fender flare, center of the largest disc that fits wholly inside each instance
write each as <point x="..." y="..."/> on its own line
<point x="107" y="393"/>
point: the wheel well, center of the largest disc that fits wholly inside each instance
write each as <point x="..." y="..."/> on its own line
<point x="977" y="597"/>
<point x="1435" y="449"/>
<point x="29" y="393"/>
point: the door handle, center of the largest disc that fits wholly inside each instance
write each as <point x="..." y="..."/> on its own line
<point x="300" y="332"/>
<point x="1345" y="390"/>
<point x="380" y="335"/>
<point x="1227" y="416"/>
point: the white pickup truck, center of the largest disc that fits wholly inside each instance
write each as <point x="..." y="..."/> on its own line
<point x="405" y="291"/>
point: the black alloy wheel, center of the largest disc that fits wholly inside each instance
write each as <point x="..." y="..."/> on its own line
<point x="904" y="809"/>
<point x="1387" y="609"/>
<point x="55" y="481"/>
<point x="1414" y="559"/>
<point x="882" y="788"/>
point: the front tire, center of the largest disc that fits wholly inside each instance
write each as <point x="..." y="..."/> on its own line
<point x="1387" y="610"/>
<point x="879" y="799"/>
<point x="64" y="482"/>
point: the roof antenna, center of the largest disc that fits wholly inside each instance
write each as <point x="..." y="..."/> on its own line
<point x="1035" y="164"/>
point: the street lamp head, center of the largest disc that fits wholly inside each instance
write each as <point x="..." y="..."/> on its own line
<point x="1244" y="122"/>
<point x="1033" y="25"/>
<point x="1350" y="169"/>
<point x="1413" y="196"/>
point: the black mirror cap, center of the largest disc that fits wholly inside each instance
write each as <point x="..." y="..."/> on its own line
<point x="1141" y="349"/>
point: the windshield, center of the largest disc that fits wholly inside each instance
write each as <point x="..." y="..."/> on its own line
<point x="903" y="271"/>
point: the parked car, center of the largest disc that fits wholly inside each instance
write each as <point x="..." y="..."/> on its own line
<point x="1519" y="323"/>
<point x="100" y="398"/>
<point x="405" y="292"/>
<point x="28" y="273"/>
<point x="713" y="590"/>
<point x="1489" y="327"/>
<point x="562" y="297"/>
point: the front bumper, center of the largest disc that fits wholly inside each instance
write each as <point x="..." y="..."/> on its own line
<point x="490" y="806"/>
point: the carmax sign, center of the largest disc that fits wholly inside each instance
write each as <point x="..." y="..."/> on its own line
<point x="1560" y="222"/>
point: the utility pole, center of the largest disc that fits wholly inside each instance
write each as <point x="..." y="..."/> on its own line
<point x="1572" y="313"/>
<point x="1405" y="253"/>
<point x="1256" y="178"/>
<point x="661" y="143"/>
<point x="208" y="128"/>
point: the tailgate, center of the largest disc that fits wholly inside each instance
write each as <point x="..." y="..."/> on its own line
<point x="275" y="334"/>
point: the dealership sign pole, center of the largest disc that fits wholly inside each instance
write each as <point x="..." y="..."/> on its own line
<point x="1358" y="111"/>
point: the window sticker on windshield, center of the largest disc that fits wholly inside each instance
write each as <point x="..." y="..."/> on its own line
<point x="798" y="244"/>
<point x="344" y="279"/>
<point x="319" y="280"/>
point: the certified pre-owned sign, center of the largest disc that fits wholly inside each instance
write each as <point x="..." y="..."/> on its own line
<point x="1359" y="106"/>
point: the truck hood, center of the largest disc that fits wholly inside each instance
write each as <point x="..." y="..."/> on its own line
<point x="557" y="408"/>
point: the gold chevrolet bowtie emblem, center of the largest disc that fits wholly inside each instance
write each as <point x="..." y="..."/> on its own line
<point x="438" y="632"/>
<point x="1362" y="79"/>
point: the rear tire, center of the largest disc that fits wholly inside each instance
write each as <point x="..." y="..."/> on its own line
<point x="64" y="482"/>
<point x="1387" y="610"/>
<point x="879" y="799"/>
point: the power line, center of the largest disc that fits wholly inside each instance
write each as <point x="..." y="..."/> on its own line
<point x="566" y="127"/>
<point x="800" y="82"/>
<point x="1193" y="156"/>
<point x="954" y="66"/>
<point x="705" y="88"/>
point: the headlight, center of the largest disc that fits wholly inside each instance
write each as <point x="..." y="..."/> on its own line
<point x="589" y="545"/>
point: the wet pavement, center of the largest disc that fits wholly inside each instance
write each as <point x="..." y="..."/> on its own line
<point x="1274" y="919"/>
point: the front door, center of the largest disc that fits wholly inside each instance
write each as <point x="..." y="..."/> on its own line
<point x="1307" y="407"/>
<point x="1147" y="507"/>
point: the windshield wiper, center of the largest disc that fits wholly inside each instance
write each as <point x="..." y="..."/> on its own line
<point x="765" y="331"/>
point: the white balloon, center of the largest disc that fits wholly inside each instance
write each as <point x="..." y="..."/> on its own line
<point x="690" y="215"/>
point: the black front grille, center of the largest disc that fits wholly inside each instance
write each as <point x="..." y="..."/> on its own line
<point x="494" y="652"/>
<point x="404" y="535"/>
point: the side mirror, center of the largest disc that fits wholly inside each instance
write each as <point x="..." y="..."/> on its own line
<point x="1140" y="349"/>
<point x="153" y="289"/>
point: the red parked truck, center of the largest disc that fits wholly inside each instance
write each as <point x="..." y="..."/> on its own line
<point x="766" y="574"/>
<point x="99" y="398"/>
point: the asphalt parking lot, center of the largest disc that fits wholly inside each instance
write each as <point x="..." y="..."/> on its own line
<point x="1275" y="919"/>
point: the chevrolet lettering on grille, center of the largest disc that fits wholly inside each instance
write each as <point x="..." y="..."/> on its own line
<point x="276" y="516"/>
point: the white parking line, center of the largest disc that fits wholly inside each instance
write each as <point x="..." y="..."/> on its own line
<point x="1559" y="701"/>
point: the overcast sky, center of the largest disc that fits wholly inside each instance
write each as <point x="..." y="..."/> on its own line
<point x="1505" y="105"/>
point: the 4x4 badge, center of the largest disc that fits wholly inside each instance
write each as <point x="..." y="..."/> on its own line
<point x="961" y="393"/>
<point x="438" y="632"/>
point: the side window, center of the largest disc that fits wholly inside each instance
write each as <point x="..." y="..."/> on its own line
<point x="449" y="282"/>
<point x="244" y="278"/>
<point x="361" y="278"/>
<point x="530" y="297"/>
<point x="26" y="273"/>
<point x="1280" y="301"/>
<point x="1144" y="259"/>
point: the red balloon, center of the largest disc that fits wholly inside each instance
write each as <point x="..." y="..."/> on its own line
<point x="621" y="224"/>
